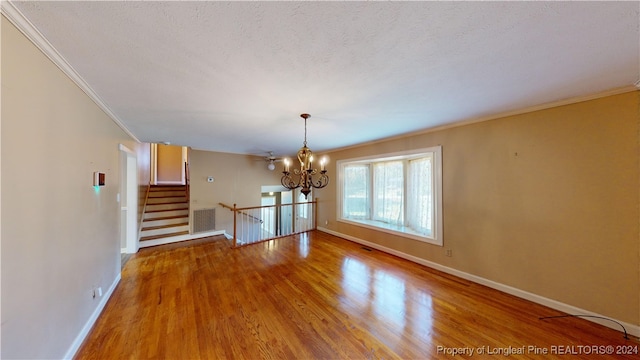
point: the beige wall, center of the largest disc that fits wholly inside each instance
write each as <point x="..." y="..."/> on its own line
<point x="143" y="156"/>
<point x="170" y="164"/>
<point x="546" y="202"/>
<point x="143" y="159"/>
<point x="60" y="236"/>
<point x="238" y="179"/>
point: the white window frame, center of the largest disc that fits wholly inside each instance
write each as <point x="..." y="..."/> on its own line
<point x="436" y="237"/>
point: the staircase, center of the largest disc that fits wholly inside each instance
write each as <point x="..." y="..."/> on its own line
<point x="166" y="214"/>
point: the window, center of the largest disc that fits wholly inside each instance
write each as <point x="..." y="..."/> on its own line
<point x="400" y="193"/>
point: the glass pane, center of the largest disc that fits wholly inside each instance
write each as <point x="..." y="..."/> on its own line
<point x="420" y="199"/>
<point x="388" y="187"/>
<point x="355" y="203"/>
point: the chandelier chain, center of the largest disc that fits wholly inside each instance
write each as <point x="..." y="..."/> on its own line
<point x="305" y="117"/>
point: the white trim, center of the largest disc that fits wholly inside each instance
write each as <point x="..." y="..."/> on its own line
<point x="122" y="147"/>
<point x="172" y="182"/>
<point x="390" y="229"/>
<point x="185" y="160"/>
<point x="31" y="32"/>
<point x="529" y="109"/>
<point x="554" y="304"/>
<point x="397" y="155"/>
<point x="435" y="152"/>
<point x="130" y="179"/>
<point x="154" y="164"/>
<point x="173" y="239"/>
<point x="73" y="349"/>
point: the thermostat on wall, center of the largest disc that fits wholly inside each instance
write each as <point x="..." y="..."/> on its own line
<point x="98" y="179"/>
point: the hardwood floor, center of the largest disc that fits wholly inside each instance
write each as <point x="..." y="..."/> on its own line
<point x="316" y="296"/>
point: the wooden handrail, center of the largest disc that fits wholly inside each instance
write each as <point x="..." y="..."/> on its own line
<point x="144" y="207"/>
<point x="262" y="207"/>
<point x="242" y="212"/>
<point x="268" y="206"/>
<point x="186" y="180"/>
<point x="278" y="233"/>
<point x="226" y="206"/>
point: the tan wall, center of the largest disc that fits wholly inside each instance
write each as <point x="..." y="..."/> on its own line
<point x="143" y="158"/>
<point x="238" y="179"/>
<point x="170" y="164"/>
<point x="546" y="202"/>
<point x="60" y="236"/>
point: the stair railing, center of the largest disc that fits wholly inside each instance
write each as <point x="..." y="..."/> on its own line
<point x="141" y="210"/>
<point x="186" y="179"/>
<point x="187" y="195"/>
<point x="262" y="223"/>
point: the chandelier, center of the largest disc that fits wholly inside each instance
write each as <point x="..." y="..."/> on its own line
<point x="303" y="177"/>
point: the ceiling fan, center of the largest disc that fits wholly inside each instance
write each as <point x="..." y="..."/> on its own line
<point x="271" y="160"/>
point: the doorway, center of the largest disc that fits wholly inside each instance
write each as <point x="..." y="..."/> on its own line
<point x="168" y="164"/>
<point x="128" y="201"/>
<point x="278" y="220"/>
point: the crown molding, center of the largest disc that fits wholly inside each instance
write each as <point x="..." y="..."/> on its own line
<point x="27" y="28"/>
<point x="464" y="122"/>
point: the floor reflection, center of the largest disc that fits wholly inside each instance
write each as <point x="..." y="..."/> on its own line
<point x="303" y="245"/>
<point x="356" y="282"/>
<point x="385" y="300"/>
<point x="389" y="298"/>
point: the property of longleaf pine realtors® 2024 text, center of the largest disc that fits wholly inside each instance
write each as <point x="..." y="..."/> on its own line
<point x="537" y="350"/>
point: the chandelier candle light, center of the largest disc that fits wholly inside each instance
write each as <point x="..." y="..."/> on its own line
<point x="305" y="174"/>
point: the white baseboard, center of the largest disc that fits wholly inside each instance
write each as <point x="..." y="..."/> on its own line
<point x="631" y="329"/>
<point x="91" y="321"/>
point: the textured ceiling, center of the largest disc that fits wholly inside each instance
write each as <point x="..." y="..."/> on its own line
<point x="234" y="76"/>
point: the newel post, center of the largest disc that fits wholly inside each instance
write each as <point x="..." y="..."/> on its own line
<point x="315" y="214"/>
<point x="234" y="226"/>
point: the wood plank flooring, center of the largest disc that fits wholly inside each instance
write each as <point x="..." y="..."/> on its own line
<point x="316" y="296"/>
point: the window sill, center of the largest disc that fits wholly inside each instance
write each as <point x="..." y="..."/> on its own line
<point x="393" y="229"/>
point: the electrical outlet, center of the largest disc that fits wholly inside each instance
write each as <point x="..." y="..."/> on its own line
<point x="100" y="291"/>
<point x="448" y="252"/>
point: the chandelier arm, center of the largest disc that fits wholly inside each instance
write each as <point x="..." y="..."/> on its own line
<point x="322" y="181"/>
<point x="287" y="181"/>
